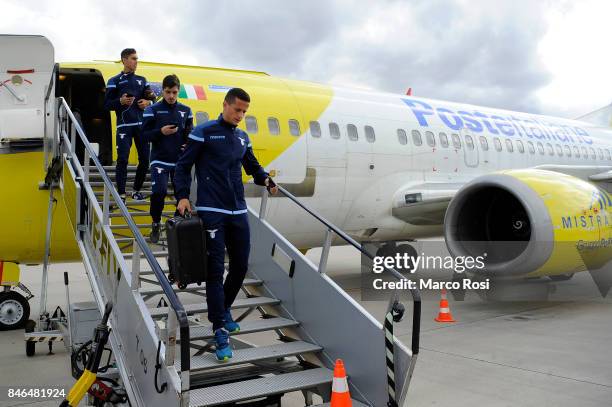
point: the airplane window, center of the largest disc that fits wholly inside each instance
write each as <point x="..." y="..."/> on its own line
<point x="431" y="140"/>
<point x="443" y="140"/>
<point x="416" y="138"/>
<point x="251" y="124"/>
<point x="369" y="133"/>
<point x="576" y="151"/>
<point x="315" y="129"/>
<point x="353" y="135"/>
<point x="294" y="127"/>
<point x="402" y="137"/>
<point x="273" y="126"/>
<point x="456" y="141"/>
<point x="585" y="153"/>
<point x="540" y="148"/>
<point x="531" y="147"/>
<point x="509" y="145"/>
<point x="520" y="146"/>
<point x="568" y="151"/>
<point x="334" y="130"/>
<point x="593" y="154"/>
<point x="607" y="152"/>
<point x="550" y="149"/>
<point x="201" y="117"/>
<point x="559" y="150"/>
<point x="469" y="142"/>
<point x="600" y="154"/>
<point x="497" y="143"/>
<point x="483" y="143"/>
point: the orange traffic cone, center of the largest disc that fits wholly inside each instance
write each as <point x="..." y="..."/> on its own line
<point x="444" y="315"/>
<point x="340" y="390"/>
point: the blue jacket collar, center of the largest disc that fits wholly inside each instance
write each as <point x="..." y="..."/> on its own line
<point x="222" y="122"/>
<point x="168" y="105"/>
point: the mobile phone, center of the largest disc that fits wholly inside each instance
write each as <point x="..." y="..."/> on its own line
<point x="174" y="124"/>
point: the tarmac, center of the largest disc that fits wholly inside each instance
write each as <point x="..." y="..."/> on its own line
<point x="540" y="353"/>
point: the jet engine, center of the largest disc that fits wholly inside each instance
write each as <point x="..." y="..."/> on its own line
<point x="531" y="223"/>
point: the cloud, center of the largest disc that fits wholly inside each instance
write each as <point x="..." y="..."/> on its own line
<point x="475" y="51"/>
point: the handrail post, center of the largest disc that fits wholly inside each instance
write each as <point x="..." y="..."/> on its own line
<point x="86" y="166"/>
<point x="325" y="251"/>
<point x="105" y="206"/>
<point x="72" y="139"/>
<point x="170" y="339"/>
<point x="264" y="204"/>
<point x="135" y="266"/>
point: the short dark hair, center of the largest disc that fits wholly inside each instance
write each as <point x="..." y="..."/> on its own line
<point x="237" y="93"/>
<point x="127" y="52"/>
<point x="171" y="81"/>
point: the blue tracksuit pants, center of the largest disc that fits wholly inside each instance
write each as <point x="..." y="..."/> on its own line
<point x="125" y="135"/>
<point x="231" y="231"/>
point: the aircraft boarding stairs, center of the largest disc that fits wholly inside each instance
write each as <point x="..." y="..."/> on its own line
<point x="163" y="347"/>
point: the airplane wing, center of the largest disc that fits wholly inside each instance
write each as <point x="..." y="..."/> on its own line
<point x="423" y="204"/>
<point x="592" y="173"/>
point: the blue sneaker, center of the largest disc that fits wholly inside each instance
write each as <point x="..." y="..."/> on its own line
<point x="231" y="325"/>
<point x="138" y="196"/>
<point x="223" y="349"/>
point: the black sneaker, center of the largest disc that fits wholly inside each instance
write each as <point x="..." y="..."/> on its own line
<point x="123" y="198"/>
<point x="155" y="231"/>
<point x="137" y="196"/>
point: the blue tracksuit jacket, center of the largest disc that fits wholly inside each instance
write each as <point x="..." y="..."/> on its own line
<point x="117" y="86"/>
<point x="165" y="150"/>
<point x="219" y="151"/>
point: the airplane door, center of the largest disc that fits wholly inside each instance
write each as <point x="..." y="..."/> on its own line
<point x="359" y="172"/>
<point x="26" y="78"/>
<point x="470" y="152"/>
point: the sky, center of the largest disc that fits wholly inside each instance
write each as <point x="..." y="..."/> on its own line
<point x="546" y="56"/>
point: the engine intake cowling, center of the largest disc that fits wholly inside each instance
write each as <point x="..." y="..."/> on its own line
<point x="527" y="221"/>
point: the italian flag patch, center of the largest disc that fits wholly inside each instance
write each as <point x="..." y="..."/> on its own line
<point x="192" y="92"/>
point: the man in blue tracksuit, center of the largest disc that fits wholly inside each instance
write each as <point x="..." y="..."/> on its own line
<point x="219" y="150"/>
<point x="128" y="95"/>
<point x="166" y="124"/>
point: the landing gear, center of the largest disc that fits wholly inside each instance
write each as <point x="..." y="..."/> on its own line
<point x="561" y="277"/>
<point x="14" y="310"/>
<point x="392" y="248"/>
<point x="30" y="345"/>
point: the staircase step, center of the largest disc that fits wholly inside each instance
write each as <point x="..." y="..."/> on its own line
<point x="146" y="192"/>
<point x="130" y="239"/>
<point x="202" y="307"/>
<point x="146" y="203"/>
<point x="248" y="282"/>
<point x="136" y="214"/>
<point x="162" y="253"/>
<point x="112" y="168"/>
<point x="111" y="174"/>
<point x="101" y="184"/>
<point x="249" y="355"/>
<point x="138" y="225"/>
<point x="246" y="327"/>
<point x="260" y="387"/>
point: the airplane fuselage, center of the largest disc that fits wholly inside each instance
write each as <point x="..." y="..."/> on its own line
<point x="348" y="154"/>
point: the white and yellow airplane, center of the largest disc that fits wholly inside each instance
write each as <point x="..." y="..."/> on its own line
<point x="381" y="166"/>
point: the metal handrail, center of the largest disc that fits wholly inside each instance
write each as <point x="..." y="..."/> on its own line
<point x="173" y="299"/>
<point x="416" y="295"/>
